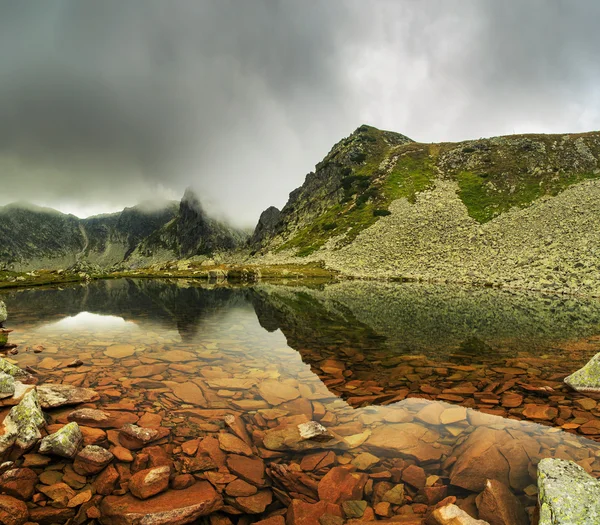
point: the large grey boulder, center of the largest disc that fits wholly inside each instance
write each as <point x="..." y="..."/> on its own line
<point x="567" y="494"/>
<point x="586" y="379"/>
<point x="3" y="312"/>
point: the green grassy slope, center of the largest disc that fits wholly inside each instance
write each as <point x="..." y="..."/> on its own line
<point x="493" y="175"/>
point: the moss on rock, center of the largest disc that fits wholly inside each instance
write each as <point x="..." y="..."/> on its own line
<point x="567" y="494"/>
<point x="586" y="379"/>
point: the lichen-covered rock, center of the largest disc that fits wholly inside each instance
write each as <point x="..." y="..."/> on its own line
<point x="586" y="379"/>
<point x="20" y="390"/>
<point x="65" y="442"/>
<point x="15" y="371"/>
<point x="52" y="396"/>
<point x="567" y="494"/>
<point x="23" y="423"/>
<point x="7" y="385"/>
<point x="3" y="312"/>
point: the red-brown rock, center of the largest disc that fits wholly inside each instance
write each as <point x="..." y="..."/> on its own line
<point x="541" y="412"/>
<point x="105" y="483"/>
<point x="147" y="483"/>
<point x="251" y="470"/>
<point x="256" y="503"/>
<point x="183" y="481"/>
<point x="174" y="507"/>
<point x="91" y="460"/>
<point x="18" y="482"/>
<point x="499" y="506"/>
<point x="342" y="484"/>
<point x="12" y="511"/>
<point x="414" y="476"/>
<point x="302" y="513"/>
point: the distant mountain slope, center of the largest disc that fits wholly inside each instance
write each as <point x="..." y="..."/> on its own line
<point x="29" y="233"/>
<point x="521" y="210"/>
<point x="35" y="238"/>
<point x="357" y="181"/>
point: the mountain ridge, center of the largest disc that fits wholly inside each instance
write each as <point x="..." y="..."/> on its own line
<point x="35" y="237"/>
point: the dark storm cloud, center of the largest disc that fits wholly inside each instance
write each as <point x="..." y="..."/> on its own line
<point x="105" y="103"/>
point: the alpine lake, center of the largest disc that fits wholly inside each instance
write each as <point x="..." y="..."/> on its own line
<point x="304" y="403"/>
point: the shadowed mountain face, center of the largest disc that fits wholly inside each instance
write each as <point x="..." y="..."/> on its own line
<point x="372" y="330"/>
<point x="36" y="238"/>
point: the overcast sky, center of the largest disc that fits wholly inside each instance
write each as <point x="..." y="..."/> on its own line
<point x="107" y="103"/>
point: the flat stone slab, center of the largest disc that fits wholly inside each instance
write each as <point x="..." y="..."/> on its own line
<point x="586" y="379"/>
<point x="52" y="396"/>
<point x="173" y="507"/>
<point x="567" y="494"/>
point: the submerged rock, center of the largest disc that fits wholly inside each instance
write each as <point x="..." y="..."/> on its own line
<point x="134" y="437"/>
<point x="52" y="396"/>
<point x="65" y="442"/>
<point x="499" y="506"/>
<point x="453" y="515"/>
<point x="174" y="507"/>
<point x="304" y="436"/>
<point x="150" y="482"/>
<point x="568" y="495"/>
<point x="23" y="423"/>
<point x="586" y="379"/>
<point x="7" y="385"/>
<point x="92" y="460"/>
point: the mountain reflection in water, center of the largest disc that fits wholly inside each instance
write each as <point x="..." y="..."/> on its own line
<point x="430" y="377"/>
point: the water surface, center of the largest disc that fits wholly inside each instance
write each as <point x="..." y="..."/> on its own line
<point x="415" y="375"/>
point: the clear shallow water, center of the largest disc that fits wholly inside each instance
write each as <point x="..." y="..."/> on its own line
<point x="392" y="370"/>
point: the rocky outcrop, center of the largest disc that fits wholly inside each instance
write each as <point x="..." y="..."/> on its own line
<point x="191" y="233"/>
<point x="266" y="227"/>
<point x="586" y="379"/>
<point x="567" y="494"/>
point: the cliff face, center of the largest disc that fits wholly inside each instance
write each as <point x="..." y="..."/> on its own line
<point x="522" y="210"/>
<point x="34" y="238"/>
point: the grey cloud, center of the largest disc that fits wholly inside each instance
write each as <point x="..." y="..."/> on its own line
<point x="103" y="104"/>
